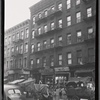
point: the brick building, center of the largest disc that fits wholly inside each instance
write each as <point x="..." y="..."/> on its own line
<point x="62" y="39"/>
<point x="16" y="51"/>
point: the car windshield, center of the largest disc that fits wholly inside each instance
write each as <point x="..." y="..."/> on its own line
<point x="14" y="91"/>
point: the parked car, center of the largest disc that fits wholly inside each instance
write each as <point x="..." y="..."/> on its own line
<point x="80" y="89"/>
<point x="13" y="92"/>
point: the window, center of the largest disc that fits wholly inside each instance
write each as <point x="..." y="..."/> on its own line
<point x="60" y="59"/>
<point x="60" y="23"/>
<point x="45" y="13"/>
<point x="68" y="4"/>
<point x="40" y="15"/>
<point x="38" y="46"/>
<point x="78" y="17"/>
<point x="91" y="55"/>
<point x="39" y="31"/>
<point x="52" y="26"/>
<point x="34" y="20"/>
<point x="90" y="32"/>
<point x="33" y="34"/>
<point x="60" y="6"/>
<point x="12" y="49"/>
<point x="27" y="33"/>
<point x="20" y="62"/>
<point x="68" y="20"/>
<point x="26" y="47"/>
<point x="37" y="61"/>
<point x="51" y="60"/>
<point x="69" y="58"/>
<point x="44" y="61"/>
<point x="45" y="28"/>
<point x="25" y="62"/>
<point x="32" y="62"/>
<point x="52" y="42"/>
<point x="22" y="34"/>
<point x="79" y="36"/>
<point x="78" y="2"/>
<point x="52" y="9"/>
<point x="69" y="38"/>
<point x="17" y="48"/>
<point x="10" y="92"/>
<point x="11" y="63"/>
<point x="17" y="35"/>
<point x="32" y="48"/>
<point x="60" y="40"/>
<point x="89" y="12"/>
<point x="9" y="39"/>
<point x="21" y="48"/>
<point x="79" y="56"/>
<point x="45" y="44"/>
<point x="13" y="37"/>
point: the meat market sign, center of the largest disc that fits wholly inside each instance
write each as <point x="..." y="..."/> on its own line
<point x="62" y="69"/>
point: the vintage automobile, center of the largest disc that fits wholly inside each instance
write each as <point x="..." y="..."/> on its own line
<point x="13" y="92"/>
<point x="80" y="89"/>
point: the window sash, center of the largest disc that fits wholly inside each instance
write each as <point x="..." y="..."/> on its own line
<point x="52" y="26"/>
<point x="89" y="12"/>
<point x="33" y="34"/>
<point x="60" y="6"/>
<point x="78" y="2"/>
<point x="60" y="23"/>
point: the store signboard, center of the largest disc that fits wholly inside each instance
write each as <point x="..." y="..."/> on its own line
<point x="62" y="69"/>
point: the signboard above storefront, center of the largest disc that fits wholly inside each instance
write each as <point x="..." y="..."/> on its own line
<point x="61" y="69"/>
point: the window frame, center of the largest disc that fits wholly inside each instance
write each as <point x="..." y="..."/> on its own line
<point x="69" y="20"/>
<point x="60" y="60"/>
<point x="60" y="23"/>
<point x="78" y="17"/>
<point x="69" y="58"/>
<point x="89" y="13"/>
<point x="68" y="3"/>
<point x="79" y="57"/>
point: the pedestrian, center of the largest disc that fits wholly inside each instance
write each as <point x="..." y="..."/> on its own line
<point x="57" y="93"/>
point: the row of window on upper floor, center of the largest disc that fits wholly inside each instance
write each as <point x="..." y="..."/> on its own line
<point x="17" y="36"/>
<point x="53" y="9"/>
<point x="59" y="24"/>
<point x="18" y="49"/>
<point x="69" y="59"/>
<point x="47" y="45"/>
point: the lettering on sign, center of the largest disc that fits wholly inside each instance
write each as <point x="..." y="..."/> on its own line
<point x="62" y="69"/>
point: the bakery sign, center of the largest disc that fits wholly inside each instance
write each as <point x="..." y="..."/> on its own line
<point x="62" y="69"/>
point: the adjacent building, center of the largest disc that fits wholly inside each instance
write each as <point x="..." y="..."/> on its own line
<point x="16" y="51"/>
<point x="62" y="39"/>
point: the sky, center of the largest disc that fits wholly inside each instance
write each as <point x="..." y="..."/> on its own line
<point x="16" y="11"/>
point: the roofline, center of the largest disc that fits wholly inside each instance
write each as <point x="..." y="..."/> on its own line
<point x="17" y="25"/>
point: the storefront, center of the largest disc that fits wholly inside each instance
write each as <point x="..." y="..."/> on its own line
<point x="62" y="75"/>
<point x="47" y="76"/>
<point x="84" y="70"/>
<point x="35" y="73"/>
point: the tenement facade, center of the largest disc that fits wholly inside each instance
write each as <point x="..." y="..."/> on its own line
<point x="62" y="39"/>
<point x="16" y="51"/>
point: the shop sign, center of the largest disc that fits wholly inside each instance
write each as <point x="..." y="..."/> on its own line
<point x="62" y="69"/>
